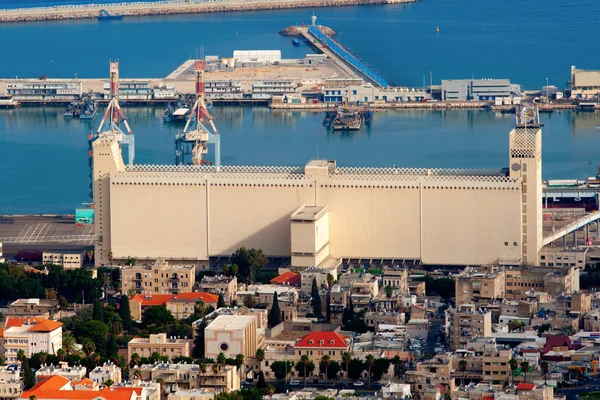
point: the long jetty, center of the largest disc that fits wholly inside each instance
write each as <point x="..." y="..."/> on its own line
<point x="64" y="12"/>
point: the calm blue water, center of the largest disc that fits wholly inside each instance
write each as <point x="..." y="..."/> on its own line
<point x="526" y="41"/>
<point x="44" y="156"/>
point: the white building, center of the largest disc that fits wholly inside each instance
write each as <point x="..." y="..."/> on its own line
<point x="43" y="90"/>
<point x="479" y="89"/>
<point x="32" y="335"/>
<point x="268" y="56"/>
<point x="69" y="259"/>
<point x="75" y="373"/>
<point x="106" y="372"/>
<point x="368" y="93"/>
<point x="233" y="335"/>
<point x="11" y="384"/>
<point x="396" y="391"/>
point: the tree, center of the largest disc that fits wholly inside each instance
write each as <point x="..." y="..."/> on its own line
<point x="20" y="355"/>
<point x="98" y="313"/>
<point x="513" y="367"/>
<point x="68" y="343"/>
<point x="63" y="304"/>
<point x="315" y="300"/>
<point x="110" y="257"/>
<point x="50" y="294"/>
<point x="543" y="328"/>
<point x="95" y="330"/>
<point x="28" y="377"/>
<point x="545" y="367"/>
<point x="221" y="301"/>
<point x="135" y="360"/>
<point x="131" y="261"/>
<point x="112" y="348"/>
<point x="515" y="325"/>
<point x="260" y="355"/>
<point x="109" y="382"/>
<point x="239" y="360"/>
<point x="115" y="324"/>
<point x="524" y="370"/>
<point x="462" y="367"/>
<point x="249" y="301"/>
<point x="88" y="346"/>
<point x="281" y="369"/>
<point x="330" y="280"/>
<point x="271" y="390"/>
<point x="398" y="367"/>
<point x="42" y="356"/>
<point x="275" y="312"/>
<point x="125" y="312"/>
<point x="370" y="360"/>
<point x="61" y="353"/>
<point x="356" y="367"/>
<point x="90" y="255"/>
<point x="325" y="360"/>
<point x="389" y="291"/>
<point x="261" y="384"/>
<point x="157" y="315"/>
<point x="304" y="367"/>
<point x="221" y="359"/>
<point x="249" y="262"/>
<point x="198" y="350"/>
<point x="230" y="269"/>
<point x="346" y="357"/>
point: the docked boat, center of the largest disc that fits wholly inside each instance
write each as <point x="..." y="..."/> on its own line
<point x="89" y="110"/>
<point x="7" y="101"/>
<point x="296" y="42"/>
<point x="347" y="121"/>
<point x="69" y="112"/>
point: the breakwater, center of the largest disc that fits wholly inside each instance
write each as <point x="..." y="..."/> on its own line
<point x="169" y="8"/>
<point x="388" y="106"/>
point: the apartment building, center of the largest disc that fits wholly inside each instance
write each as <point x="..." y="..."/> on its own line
<point x="554" y="281"/>
<point x="184" y="304"/>
<point x="159" y="343"/>
<point x="68" y="259"/>
<point x="480" y="285"/>
<point x="106" y="372"/>
<point x="263" y="294"/>
<point x="233" y="335"/>
<point x="396" y="278"/>
<point x="466" y="322"/>
<point x="32" y="335"/>
<point x="75" y="373"/>
<point x="562" y="257"/>
<point x="28" y="308"/>
<point x="11" y="384"/>
<point x="362" y="292"/>
<point x="158" y="278"/>
<point x="141" y="302"/>
<point x="219" y="378"/>
<point x="317" y="344"/>
<point x="338" y="298"/>
<point x="221" y="284"/>
<point x="416" y="288"/>
<point x="374" y="319"/>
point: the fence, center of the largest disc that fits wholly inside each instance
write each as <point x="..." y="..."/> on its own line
<point x="348" y="57"/>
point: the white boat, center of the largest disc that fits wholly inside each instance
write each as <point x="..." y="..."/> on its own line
<point x="7" y="101"/>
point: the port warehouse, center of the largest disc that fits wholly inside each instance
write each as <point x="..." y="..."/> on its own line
<point x="436" y="216"/>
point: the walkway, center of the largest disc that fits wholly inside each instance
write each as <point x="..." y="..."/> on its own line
<point x="572" y="227"/>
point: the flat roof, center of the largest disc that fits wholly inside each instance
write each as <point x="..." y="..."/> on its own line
<point x="231" y="322"/>
<point x="309" y="213"/>
<point x="181" y="112"/>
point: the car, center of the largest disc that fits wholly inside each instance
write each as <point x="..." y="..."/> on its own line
<point x="294" y="382"/>
<point x="358" y="383"/>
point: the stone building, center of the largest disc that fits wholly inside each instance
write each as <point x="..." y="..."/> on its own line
<point x="159" y="343"/>
<point x="158" y="278"/>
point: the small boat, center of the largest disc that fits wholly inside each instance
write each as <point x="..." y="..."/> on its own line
<point x="296" y="42"/>
<point x="7" y="101"/>
<point x="347" y="121"/>
<point x="69" y="112"/>
<point x="437" y="29"/>
<point x="89" y="110"/>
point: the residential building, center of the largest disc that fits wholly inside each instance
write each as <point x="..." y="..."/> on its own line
<point x="263" y="294"/>
<point x="192" y="394"/>
<point x="578" y="302"/>
<point x="465" y="323"/>
<point x="233" y="335"/>
<point x="141" y="302"/>
<point x="585" y="84"/>
<point x="395" y="391"/>
<point x="68" y="259"/>
<point x="60" y="388"/>
<point x="106" y="372"/>
<point x="337" y="302"/>
<point x="417" y="327"/>
<point x="480" y="285"/>
<point x="219" y="378"/>
<point x="75" y="373"/>
<point x="317" y="344"/>
<point x="563" y="257"/>
<point x="397" y="278"/>
<point x="478" y="89"/>
<point x="287" y="279"/>
<point x="496" y="366"/>
<point x="158" y="278"/>
<point x="518" y="308"/>
<point x="261" y="314"/>
<point x="416" y="288"/>
<point x="27" y="308"/>
<point x="591" y="321"/>
<point x="159" y="343"/>
<point x="374" y="319"/>
<point x="44" y="90"/>
<point x="32" y="335"/>
<point x="11" y="383"/>
<point x="184" y="304"/>
<point x="554" y="281"/>
<point x="221" y="284"/>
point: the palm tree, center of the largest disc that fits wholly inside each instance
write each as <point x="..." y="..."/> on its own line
<point x="545" y="367"/>
<point x="42" y="356"/>
<point x="215" y="368"/>
<point x="88" y="346"/>
<point x="239" y="360"/>
<point x="90" y="255"/>
<point x="330" y="280"/>
<point x="260" y="356"/>
<point x="304" y="361"/>
<point x="137" y="374"/>
<point x="524" y="370"/>
<point x="60" y="353"/>
<point x="513" y="367"/>
<point x="462" y="367"/>
<point x="68" y="343"/>
<point x="161" y="382"/>
<point x="271" y="390"/>
<point x="346" y="357"/>
<point x="136" y="359"/>
<point x="397" y="365"/>
<point x="370" y="361"/>
<point x="200" y="307"/>
<point x="221" y="359"/>
<point x="326" y="360"/>
<point x="110" y="257"/>
<point x="116" y="324"/>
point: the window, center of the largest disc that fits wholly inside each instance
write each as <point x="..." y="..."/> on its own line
<point x="224" y="347"/>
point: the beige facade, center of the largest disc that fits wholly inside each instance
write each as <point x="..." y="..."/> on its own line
<point x="67" y="258"/>
<point x="482" y="286"/>
<point x="559" y="257"/>
<point x="498" y="216"/>
<point x="161" y="344"/>
<point x="32" y="335"/>
<point x="466" y="323"/>
<point x="397" y="278"/>
<point x="233" y="335"/>
<point x="225" y="285"/>
<point x="584" y="83"/>
<point x="27" y="308"/>
<point x="11" y="384"/>
<point x="73" y="373"/>
<point x="106" y="372"/>
<point x="158" y="278"/>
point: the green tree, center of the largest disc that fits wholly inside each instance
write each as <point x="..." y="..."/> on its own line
<point x="115" y="324"/>
<point x="239" y="361"/>
<point x="281" y="369"/>
<point x="260" y="355"/>
<point x="250" y="262"/>
<point x="69" y="343"/>
<point x="346" y="358"/>
<point x="135" y="360"/>
<point x="131" y="261"/>
<point x="98" y="313"/>
<point x="63" y="304"/>
<point x="198" y="350"/>
<point x="112" y="348"/>
<point x="524" y="370"/>
<point x="20" y="355"/>
<point x="462" y="367"/>
<point x="249" y="301"/>
<point x="221" y="301"/>
<point x="96" y="331"/>
<point x="275" y="312"/>
<point x="28" y="377"/>
<point x="230" y="269"/>
<point x="325" y="361"/>
<point x="543" y="328"/>
<point x="88" y="346"/>
<point x="109" y="382"/>
<point x="370" y="360"/>
<point x="389" y="291"/>
<point x="271" y="391"/>
<point x="356" y="367"/>
<point x="515" y="325"/>
<point x="513" y="367"/>
<point x="315" y="300"/>
<point x="125" y="312"/>
<point x="157" y="315"/>
<point x="221" y="359"/>
<point x="545" y="367"/>
<point x="330" y="280"/>
<point x="261" y="383"/>
<point x="304" y="367"/>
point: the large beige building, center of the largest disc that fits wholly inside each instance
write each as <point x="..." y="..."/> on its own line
<point x="320" y="212"/>
<point x="465" y="323"/>
<point x="233" y="335"/>
<point x="159" y="343"/>
<point x="158" y="278"/>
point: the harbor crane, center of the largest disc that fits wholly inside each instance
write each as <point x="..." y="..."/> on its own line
<point x="196" y="131"/>
<point x="113" y="116"/>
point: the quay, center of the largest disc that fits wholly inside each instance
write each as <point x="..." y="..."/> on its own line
<point x="92" y="11"/>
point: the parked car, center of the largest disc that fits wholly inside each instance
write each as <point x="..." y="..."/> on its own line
<point x="358" y="383"/>
<point x="294" y="382"/>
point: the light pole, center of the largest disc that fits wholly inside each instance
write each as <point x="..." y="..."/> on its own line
<point x="547" y="88"/>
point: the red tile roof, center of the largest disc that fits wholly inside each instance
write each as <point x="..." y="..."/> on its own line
<point x="329" y="339"/>
<point x="51" y="389"/>
<point x="526" y="386"/>
<point x="149" y="300"/>
<point x="196" y="296"/>
<point x="12" y="322"/>
<point x="46" y="326"/>
<point x="37" y="324"/>
<point x="288" y="278"/>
